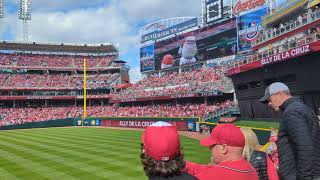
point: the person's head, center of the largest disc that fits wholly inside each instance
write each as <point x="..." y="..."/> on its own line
<point x="226" y="143"/>
<point x="251" y="142"/>
<point x="275" y="95"/>
<point x="160" y="151"/>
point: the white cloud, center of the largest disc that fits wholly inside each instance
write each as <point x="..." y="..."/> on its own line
<point x="9" y="22"/>
<point x="85" y="25"/>
<point x="135" y="74"/>
<point x="160" y="9"/>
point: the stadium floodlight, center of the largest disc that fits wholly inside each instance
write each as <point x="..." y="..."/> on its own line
<point x="25" y="15"/>
<point x="1" y="8"/>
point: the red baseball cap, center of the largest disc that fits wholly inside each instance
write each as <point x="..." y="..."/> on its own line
<point x="228" y="134"/>
<point x="161" y="141"/>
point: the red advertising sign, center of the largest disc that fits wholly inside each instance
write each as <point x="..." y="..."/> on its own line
<point x="286" y="55"/>
<point x="242" y="6"/>
<point x="181" y="125"/>
<point x="292" y="53"/>
<point x="53" y="97"/>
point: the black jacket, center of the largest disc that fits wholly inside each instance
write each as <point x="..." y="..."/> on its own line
<point x="183" y="176"/>
<point x="258" y="160"/>
<point x="298" y="142"/>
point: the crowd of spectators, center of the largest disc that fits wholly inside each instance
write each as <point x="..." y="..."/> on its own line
<point x="66" y="61"/>
<point x="289" y="25"/>
<point x="94" y="81"/>
<point x="9" y="116"/>
<point x="56" y="80"/>
<point x="199" y="80"/>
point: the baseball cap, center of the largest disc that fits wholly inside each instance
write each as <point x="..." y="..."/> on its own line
<point x="273" y="89"/>
<point x="161" y="141"/>
<point x="228" y="134"/>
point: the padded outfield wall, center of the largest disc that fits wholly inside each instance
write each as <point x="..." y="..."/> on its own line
<point x="182" y="123"/>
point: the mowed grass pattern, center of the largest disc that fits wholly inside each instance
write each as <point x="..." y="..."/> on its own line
<point x="79" y="153"/>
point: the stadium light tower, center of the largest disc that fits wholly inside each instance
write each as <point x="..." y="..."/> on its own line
<point x="1" y="9"/>
<point x="25" y="15"/>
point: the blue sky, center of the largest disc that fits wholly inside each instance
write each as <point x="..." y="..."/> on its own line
<point x="94" y="21"/>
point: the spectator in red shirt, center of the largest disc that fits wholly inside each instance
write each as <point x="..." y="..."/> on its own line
<point x="226" y="144"/>
<point x="161" y="154"/>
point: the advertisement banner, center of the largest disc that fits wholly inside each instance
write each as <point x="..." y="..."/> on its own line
<point x="107" y="96"/>
<point x="242" y="7"/>
<point x="89" y="122"/>
<point x="174" y="96"/>
<point x="249" y="28"/>
<point x="191" y="125"/>
<point x="147" y="58"/>
<point x="181" y="125"/>
<point x="286" y="55"/>
<point x="170" y="31"/>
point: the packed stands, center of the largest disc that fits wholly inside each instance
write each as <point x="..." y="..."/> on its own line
<point x="199" y="80"/>
<point x="56" y="80"/>
<point x="295" y="22"/>
<point x="37" y="60"/>
<point x="9" y="116"/>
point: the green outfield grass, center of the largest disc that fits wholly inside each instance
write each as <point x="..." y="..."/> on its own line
<point x="79" y="153"/>
<point x="258" y="124"/>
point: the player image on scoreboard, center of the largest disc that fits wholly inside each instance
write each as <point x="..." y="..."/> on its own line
<point x="188" y="50"/>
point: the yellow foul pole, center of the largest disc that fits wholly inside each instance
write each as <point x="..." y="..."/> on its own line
<point x="84" y="90"/>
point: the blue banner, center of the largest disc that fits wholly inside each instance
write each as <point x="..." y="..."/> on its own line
<point x="170" y="31"/>
<point x="249" y="28"/>
<point x="147" y="58"/>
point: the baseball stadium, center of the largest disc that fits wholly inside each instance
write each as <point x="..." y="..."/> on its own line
<point x="70" y="110"/>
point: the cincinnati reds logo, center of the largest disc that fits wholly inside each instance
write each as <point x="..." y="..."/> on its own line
<point x="251" y="36"/>
<point x="147" y="62"/>
<point x="247" y="5"/>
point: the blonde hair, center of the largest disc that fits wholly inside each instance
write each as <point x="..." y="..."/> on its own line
<point x="251" y="142"/>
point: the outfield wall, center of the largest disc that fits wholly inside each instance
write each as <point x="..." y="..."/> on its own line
<point x="42" y="124"/>
<point x="182" y="123"/>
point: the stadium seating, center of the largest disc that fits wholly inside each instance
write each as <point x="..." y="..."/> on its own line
<point x="9" y="116"/>
<point x="200" y="80"/>
<point x="59" y="80"/>
<point x="34" y="60"/>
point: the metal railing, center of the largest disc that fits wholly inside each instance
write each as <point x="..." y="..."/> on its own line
<point x="219" y="112"/>
<point x="268" y="34"/>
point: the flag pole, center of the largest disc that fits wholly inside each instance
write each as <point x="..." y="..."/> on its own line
<point x="84" y="90"/>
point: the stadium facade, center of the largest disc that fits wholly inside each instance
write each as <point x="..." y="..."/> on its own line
<point x="286" y="49"/>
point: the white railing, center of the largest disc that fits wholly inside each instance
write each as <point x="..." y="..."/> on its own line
<point x="300" y="21"/>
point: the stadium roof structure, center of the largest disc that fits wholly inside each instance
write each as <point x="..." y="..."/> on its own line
<point x="119" y="61"/>
<point x="59" y="47"/>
